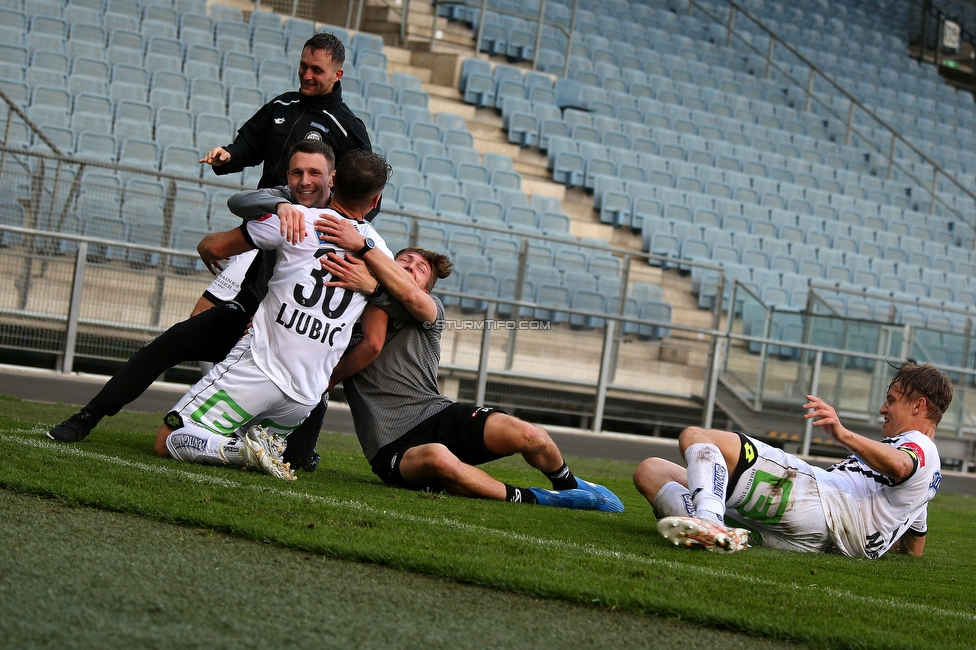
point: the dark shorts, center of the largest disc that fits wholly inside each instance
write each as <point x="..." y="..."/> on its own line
<point x="747" y="458"/>
<point x="459" y="427"/>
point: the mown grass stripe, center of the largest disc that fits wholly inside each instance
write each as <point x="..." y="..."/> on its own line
<point x="592" y="551"/>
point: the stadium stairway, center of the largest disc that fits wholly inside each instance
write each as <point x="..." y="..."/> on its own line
<point x="484" y="123"/>
<point x="680" y="361"/>
<point x="382" y="19"/>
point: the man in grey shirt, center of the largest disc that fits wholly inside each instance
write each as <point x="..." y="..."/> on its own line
<point x="413" y="436"/>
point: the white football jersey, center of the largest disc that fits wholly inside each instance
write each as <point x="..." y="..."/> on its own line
<point x="301" y="327"/>
<point x="227" y="285"/>
<point x="866" y="511"/>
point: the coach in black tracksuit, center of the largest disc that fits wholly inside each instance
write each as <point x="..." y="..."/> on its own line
<point x="315" y="112"/>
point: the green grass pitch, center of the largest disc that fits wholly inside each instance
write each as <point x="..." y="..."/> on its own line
<point x="167" y="554"/>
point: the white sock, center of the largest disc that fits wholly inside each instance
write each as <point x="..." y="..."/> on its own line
<point x="673" y="500"/>
<point x="707" y="478"/>
<point x="196" y="445"/>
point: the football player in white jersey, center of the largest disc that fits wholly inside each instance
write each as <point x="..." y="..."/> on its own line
<point x="282" y="366"/>
<point x="873" y="501"/>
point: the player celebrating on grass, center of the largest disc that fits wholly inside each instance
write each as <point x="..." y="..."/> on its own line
<point x="413" y="436"/>
<point x="223" y="312"/>
<point x="873" y="501"/>
<point x="278" y="372"/>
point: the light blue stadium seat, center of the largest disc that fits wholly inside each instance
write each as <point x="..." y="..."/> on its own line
<point x="414" y="196"/>
<point x="207" y="96"/>
<point x="196" y="29"/>
<point x="105" y="228"/>
<point x="163" y="54"/>
<point x="654" y="310"/>
<point x="552" y="301"/>
<point x="181" y="160"/>
<point x="522" y="218"/>
<point x="174" y="126"/>
<point x="591" y="301"/>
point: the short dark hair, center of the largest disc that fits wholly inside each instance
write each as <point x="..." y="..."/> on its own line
<point x="360" y="178"/>
<point x="330" y="43"/>
<point x="440" y="265"/>
<point x="312" y="146"/>
<point x="926" y="381"/>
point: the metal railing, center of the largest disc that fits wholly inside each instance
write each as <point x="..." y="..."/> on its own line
<point x="73" y="300"/>
<point x="608" y="361"/>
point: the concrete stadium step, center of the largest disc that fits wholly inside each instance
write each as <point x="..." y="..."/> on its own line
<point x="385" y="20"/>
<point x="485" y="125"/>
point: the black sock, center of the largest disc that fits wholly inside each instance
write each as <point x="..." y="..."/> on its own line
<point x="562" y="478"/>
<point x="519" y="495"/>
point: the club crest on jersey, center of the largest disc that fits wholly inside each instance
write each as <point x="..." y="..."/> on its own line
<point x="279" y="120"/>
<point x="314" y="135"/>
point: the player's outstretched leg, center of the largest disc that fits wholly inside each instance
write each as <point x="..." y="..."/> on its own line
<point x="256" y="450"/>
<point x="208" y="336"/>
<point x="434" y="465"/>
<point x="505" y="434"/>
<point x="690" y="532"/>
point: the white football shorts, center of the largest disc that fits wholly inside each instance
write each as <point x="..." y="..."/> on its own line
<point x="778" y="496"/>
<point x="236" y="394"/>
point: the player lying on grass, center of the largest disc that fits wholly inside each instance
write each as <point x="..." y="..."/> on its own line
<point x="279" y="370"/>
<point x="873" y="501"/>
<point x="413" y="436"/>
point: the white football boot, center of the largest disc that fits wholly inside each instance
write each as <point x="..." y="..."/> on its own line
<point x="689" y="532"/>
<point x="262" y="453"/>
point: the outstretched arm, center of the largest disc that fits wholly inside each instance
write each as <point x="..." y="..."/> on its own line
<point x="390" y="274"/>
<point x="884" y="459"/>
<point x="221" y="246"/>
<point x="362" y="354"/>
<point x="247" y="149"/>
<point x="216" y="157"/>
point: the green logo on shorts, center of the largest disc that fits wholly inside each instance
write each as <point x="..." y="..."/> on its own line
<point x="224" y="420"/>
<point x="767" y="498"/>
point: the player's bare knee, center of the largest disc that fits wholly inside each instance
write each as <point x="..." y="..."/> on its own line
<point x="437" y="459"/>
<point x="648" y="475"/>
<point x="690" y="436"/>
<point x="533" y="438"/>
<point x="642" y="471"/>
